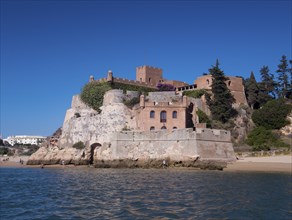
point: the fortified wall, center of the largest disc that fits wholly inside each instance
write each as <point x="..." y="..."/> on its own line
<point x="180" y="144"/>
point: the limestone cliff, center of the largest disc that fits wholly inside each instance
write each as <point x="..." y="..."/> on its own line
<point x="82" y="123"/>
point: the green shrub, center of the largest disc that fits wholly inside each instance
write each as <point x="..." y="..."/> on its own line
<point x="130" y="103"/>
<point x="126" y="87"/>
<point x="4" y="150"/>
<point x="194" y="93"/>
<point x="79" y="145"/>
<point x="203" y="118"/>
<point x="261" y="138"/>
<point x="93" y="92"/>
<point x="272" y="115"/>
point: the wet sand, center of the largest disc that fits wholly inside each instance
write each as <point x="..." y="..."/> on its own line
<point x="263" y="164"/>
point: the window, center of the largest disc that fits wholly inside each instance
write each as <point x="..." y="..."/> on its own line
<point x="152" y="128"/>
<point x="208" y="82"/>
<point x="229" y="83"/>
<point x="152" y="114"/>
<point x="163" y="128"/>
<point x="174" y="128"/>
<point x="163" y="116"/>
<point x="149" y="80"/>
<point x="174" y="114"/>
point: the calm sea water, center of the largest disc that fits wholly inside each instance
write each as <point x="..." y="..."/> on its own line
<point x="89" y="193"/>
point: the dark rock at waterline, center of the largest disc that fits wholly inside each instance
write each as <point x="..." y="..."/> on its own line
<point x="57" y="161"/>
<point x="128" y="163"/>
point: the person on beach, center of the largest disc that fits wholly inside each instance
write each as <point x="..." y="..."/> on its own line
<point x="164" y="164"/>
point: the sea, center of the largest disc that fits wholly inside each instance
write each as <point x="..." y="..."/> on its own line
<point x="91" y="193"/>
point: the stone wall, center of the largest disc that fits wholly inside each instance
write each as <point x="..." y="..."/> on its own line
<point x="180" y="144"/>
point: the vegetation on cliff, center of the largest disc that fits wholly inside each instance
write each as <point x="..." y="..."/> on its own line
<point x="92" y="93"/>
<point x="195" y="93"/>
<point x="79" y="145"/>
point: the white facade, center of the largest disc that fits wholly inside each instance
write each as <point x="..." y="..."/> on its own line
<point x="24" y="139"/>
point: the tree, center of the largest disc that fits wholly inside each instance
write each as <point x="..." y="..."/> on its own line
<point x="268" y="81"/>
<point x="283" y="79"/>
<point x="252" y="91"/>
<point x="221" y="101"/>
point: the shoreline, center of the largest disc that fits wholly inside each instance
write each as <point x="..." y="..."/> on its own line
<point x="258" y="164"/>
<point x="281" y="163"/>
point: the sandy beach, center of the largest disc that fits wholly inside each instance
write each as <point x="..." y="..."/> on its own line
<point x="11" y="161"/>
<point x="263" y="164"/>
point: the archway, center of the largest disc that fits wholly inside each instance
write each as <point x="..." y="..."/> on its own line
<point x="92" y="148"/>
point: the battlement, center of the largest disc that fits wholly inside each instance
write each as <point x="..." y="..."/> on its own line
<point x="148" y="68"/>
<point x="134" y="82"/>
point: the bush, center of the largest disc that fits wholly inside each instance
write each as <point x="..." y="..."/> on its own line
<point x="79" y="145"/>
<point x="165" y="87"/>
<point x="203" y="118"/>
<point x="272" y="115"/>
<point x="194" y="93"/>
<point x="261" y="138"/>
<point x="4" y="150"/>
<point x="93" y="92"/>
<point x="126" y="87"/>
<point x="130" y="103"/>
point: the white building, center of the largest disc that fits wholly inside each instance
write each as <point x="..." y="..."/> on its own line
<point x="25" y="139"/>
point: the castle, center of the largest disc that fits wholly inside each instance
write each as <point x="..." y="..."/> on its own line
<point x="172" y="110"/>
<point x="161" y="125"/>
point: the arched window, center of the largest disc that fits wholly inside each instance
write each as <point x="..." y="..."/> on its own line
<point x="229" y="83"/>
<point x="174" y="128"/>
<point x="163" y="116"/>
<point x="152" y="114"/>
<point x="149" y="80"/>
<point x="163" y="128"/>
<point x="174" y="114"/>
<point x="207" y="82"/>
<point x="152" y="128"/>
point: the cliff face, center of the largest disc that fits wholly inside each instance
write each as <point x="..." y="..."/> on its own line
<point x="82" y="123"/>
<point x="85" y="124"/>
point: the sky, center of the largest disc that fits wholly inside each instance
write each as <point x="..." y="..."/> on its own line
<point x="50" y="48"/>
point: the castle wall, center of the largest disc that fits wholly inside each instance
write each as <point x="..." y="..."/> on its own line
<point x="181" y="144"/>
<point x="234" y="84"/>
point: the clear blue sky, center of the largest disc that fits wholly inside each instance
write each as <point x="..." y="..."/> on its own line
<point x="50" y="48"/>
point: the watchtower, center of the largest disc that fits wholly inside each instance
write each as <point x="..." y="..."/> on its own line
<point x="148" y="74"/>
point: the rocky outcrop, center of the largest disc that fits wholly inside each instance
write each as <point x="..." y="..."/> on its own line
<point x="156" y="163"/>
<point x="287" y="130"/>
<point x="84" y="124"/>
